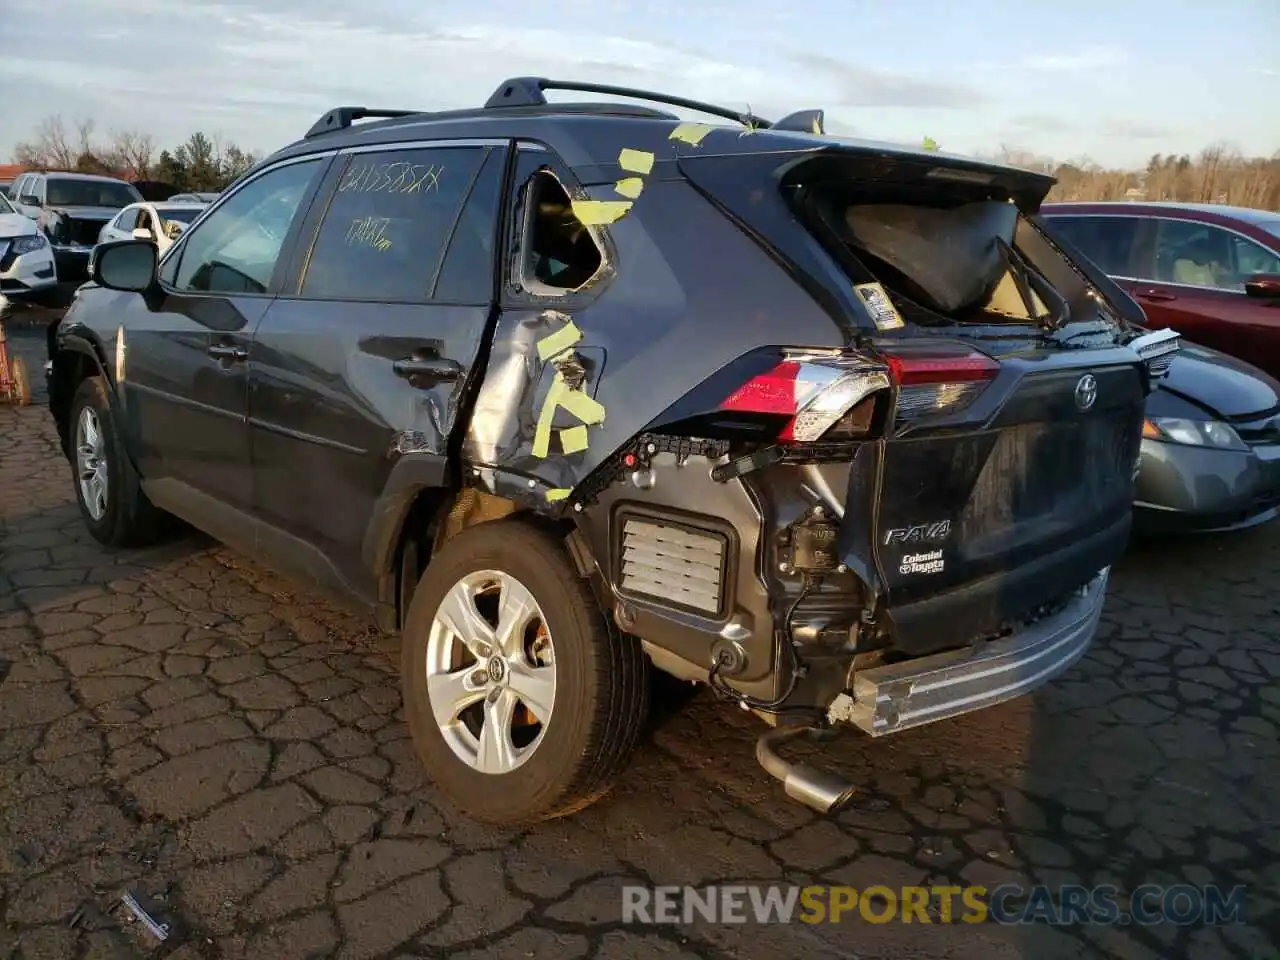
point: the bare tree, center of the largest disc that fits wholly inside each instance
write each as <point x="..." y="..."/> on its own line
<point x="52" y="147"/>
<point x="84" y="136"/>
<point x="134" y="150"/>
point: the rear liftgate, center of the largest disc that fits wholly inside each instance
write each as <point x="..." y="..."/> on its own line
<point x="827" y="406"/>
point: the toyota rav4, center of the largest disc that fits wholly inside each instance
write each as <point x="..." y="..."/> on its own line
<point x="567" y="392"/>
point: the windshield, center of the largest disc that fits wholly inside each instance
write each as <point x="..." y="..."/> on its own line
<point x="1271" y="226"/>
<point x="90" y="193"/>
<point x="5" y="205"/>
<point x="182" y="216"/>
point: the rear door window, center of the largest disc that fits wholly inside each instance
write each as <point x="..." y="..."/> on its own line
<point x="1110" y="242"/>
<point x="127" y="220"/>
<point x="389" y="222"/>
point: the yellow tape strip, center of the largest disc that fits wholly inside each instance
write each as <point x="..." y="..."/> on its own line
<point x="629" y="187"/>
<point x="600" y="212"/>
<point x="581" y="406"/>
<point x="560" y="341"/>
<point x="636" y="161"/>
<point x="542" y="432"/>
<point x="560" y="493"/>
<point x="691" y="133"/>
<point x="574" y="440"/>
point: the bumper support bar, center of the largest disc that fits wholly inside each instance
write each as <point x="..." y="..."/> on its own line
<point x="918" y="691"/>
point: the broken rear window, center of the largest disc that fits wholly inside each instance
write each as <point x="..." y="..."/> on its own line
<point x="947" y="253"/>
<point x="560" y="254"/>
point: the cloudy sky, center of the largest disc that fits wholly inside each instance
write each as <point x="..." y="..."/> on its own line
<point x="1116" y="80"/>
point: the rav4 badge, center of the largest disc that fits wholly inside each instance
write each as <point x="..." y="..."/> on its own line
<point x="934" y="532"/>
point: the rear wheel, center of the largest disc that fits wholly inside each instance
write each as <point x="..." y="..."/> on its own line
<point x="115" y="509"/>
<point x="522" y="703"/>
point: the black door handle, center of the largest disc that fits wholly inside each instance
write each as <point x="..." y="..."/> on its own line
<point x="225" y="352"/>
<point x="1158" y="295"/>
<point x="428" y="368"/>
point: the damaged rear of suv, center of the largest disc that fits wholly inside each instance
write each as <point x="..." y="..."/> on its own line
<point x="830" y="426"/>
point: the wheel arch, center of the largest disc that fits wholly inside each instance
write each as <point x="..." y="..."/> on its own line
<point x="76" y="356"/>
<point x="419" y="511"/>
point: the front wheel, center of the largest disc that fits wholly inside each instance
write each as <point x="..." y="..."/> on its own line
<point x="522" y="703"/>
<point x="112" y="503"/>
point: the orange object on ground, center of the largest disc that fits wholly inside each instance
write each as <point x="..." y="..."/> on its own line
<point x="14" y="385"/>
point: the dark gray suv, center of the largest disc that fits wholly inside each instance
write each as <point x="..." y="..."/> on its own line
<point x="568" y="392"/>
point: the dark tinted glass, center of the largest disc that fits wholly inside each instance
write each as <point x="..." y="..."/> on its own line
<point x="90" y="193"/>
<point x="467" y="273"/>
<point x="1107" y="241"/>
<point x="182" y="216"/>
<point x="388" y="223"/>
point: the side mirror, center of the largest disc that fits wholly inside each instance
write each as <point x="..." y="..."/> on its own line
<point x="30" y="200"/>
<point x="128" y="265"/>
<point x="1264" y="286"/>
<point x="142" y="233"/>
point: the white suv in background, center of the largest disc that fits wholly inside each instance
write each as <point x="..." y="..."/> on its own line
<point x="26" y="259"/>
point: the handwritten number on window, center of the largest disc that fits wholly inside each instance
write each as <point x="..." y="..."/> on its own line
<point x="396" y="177"/>
<point x="369" y="232"/>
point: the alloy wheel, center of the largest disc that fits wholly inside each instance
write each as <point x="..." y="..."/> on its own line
<point x="91" y="463"/>
<point x="491" y="674"/>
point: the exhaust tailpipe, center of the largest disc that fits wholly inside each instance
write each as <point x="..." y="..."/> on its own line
<point x="814" y="788"/>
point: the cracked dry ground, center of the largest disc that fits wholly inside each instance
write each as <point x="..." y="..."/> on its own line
<point x="180" y="723"/>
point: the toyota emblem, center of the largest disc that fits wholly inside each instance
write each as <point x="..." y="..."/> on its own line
<point x="1086" y="392"/>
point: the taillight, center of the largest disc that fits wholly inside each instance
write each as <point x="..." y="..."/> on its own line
<point x="939" y="378"/>
<point x="818" y="394"/>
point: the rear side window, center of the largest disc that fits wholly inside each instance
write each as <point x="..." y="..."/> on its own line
<point x="127" y="220"/>
<point x="560" y="254"/>
<point x="1107" y="241"/>
<point x="389" y="222"/>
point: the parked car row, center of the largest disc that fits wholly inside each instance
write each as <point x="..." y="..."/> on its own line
<point x="70" y="214"/>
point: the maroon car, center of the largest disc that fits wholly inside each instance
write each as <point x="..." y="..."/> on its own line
<point x="1210" y="272"/>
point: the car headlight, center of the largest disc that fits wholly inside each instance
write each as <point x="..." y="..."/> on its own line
<point x="1195" y="433"/>
<point x="29" y="244"/>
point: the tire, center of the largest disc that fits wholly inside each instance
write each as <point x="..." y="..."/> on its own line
<point x="124" y="517"/>
<point x="601" y="689"/>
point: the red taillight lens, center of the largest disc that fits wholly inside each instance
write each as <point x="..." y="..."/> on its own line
<point x="813" y="391"/>
<point x="941" y="378"/>
<point x="771" y="392"/>
<point x="910" y="371"/>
